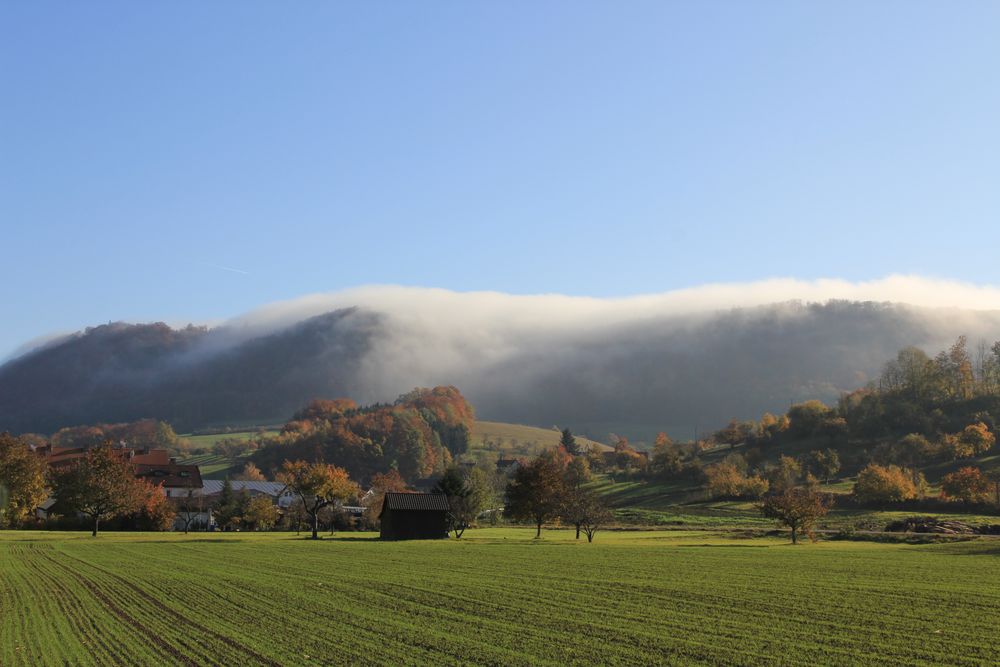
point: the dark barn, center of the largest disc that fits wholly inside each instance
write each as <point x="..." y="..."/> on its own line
<point x="414" y="516"/>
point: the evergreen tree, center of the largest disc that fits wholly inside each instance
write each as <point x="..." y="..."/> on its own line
<point x="568" y="442"/>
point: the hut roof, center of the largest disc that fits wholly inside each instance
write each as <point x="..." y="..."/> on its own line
<point x="434" y="502"/>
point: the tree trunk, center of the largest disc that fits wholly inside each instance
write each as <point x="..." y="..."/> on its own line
<point x="795" y="535"/>
<point x="97" y="521"/>
<point x="538" y="531"/>
<point x="590" y="536"/>
<point x="315" y="525"/>
<point x="577" y="531"/>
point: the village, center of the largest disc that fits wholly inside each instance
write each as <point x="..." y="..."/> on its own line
<point x="198" y="504"/>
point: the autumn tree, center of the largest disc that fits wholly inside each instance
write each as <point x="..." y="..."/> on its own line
<point x="799" y="509"/>
<point x="823" y="463"/>
<point x="101" y="485"/>
<point x="978" y="438"/>
<point x="22" y="476"/>
<point x="734" y="433"/>
<point x="884" y="484"/>
<point x="993" y="476"/>
<point x="724" y="480"/>
<point x="382" y="483"/>
<point x="967" y="485"/>
<point x="785" y="475"/>
<point x="536" y="492"/>
<point x="250" y="473"/>
<point x="261" y="514"/>
<point x="156" y="512"/>
<point x="317" y="485"/>
<point x="666" y="459"/>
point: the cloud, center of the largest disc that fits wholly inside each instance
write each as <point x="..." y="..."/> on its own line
<point x="502" y="312"/>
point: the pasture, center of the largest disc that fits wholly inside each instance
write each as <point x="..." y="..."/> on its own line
<point x="494" y="597"/>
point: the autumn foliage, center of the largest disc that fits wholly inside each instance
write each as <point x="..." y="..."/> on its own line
<point x="417" y="435"/>
<point x="967" y="485"/>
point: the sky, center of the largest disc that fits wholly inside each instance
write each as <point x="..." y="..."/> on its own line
<point x="191" y="161"/>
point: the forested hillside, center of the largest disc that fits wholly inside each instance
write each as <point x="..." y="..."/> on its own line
<point x="418" y="435"/>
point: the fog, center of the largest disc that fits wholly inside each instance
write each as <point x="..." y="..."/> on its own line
<point x="682" y="361"/>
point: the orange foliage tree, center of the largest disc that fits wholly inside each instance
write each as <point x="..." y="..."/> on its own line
<point x="318" y="485"/>
<point x="967" y="484"/>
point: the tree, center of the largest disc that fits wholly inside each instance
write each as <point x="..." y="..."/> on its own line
<point x="994" y="478"/>
<point x="724" y="480"/>
<point x="251" y="473"/>
<point x="799" y="509"/>
<point x="955" y="447"/>
<point x="101" y="485"/>
<point x="568" y="442"/>
<point x="587" y="511"/>
<point x="317" y="485"/>
<point x="967" y="484"/>
<point x="731" y="435"/>
<point x="824" y="463"/>
<point x="486" y="488"/>
<point x="804" y="419"/>
<point x="229" y="506"/>
<point x="22" y="476"/>
<point x="261" y="513"/>
<point x="462" y="508"/>
<point x="978" y="438"/>
<point x="155" y="511"/>
<point x="884" y="484"/>
<point x="786" y="474"/>
<point x="536" y="492"/>
<point x="382" y="483"/>
<point x="190" y="507"/>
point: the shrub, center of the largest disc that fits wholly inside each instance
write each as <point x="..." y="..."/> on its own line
<point x="884" y="484"/>
<point x="966" y="484"/>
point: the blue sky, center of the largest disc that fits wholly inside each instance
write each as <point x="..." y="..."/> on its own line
<point x="599" y="149"/>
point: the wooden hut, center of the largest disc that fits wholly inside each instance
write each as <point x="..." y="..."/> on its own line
<point x="414" y="516"/>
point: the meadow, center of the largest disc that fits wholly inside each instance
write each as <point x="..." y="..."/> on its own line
<point x="494" y="597"/>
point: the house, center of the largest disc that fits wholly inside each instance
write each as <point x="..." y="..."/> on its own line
<point x="279" y="493"/>
<point x="414" y="516"/>
<point x="175" y="479"/>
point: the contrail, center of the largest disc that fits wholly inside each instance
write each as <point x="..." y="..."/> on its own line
<point x="225" y="268"/>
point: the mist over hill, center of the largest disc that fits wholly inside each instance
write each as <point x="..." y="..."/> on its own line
<point x="633" y="366"/>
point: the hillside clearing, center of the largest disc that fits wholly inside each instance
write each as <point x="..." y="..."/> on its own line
<point x="494" y="598"/>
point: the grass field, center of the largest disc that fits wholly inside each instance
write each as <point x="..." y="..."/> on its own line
<point x="215" y="466"/>
<point x="520" y="439"/>
<point x="495" y="597"/>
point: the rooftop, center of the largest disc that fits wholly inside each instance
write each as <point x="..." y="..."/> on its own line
<point x="416" y="501"/>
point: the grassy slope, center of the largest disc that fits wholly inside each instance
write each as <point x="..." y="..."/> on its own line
<point x="530" y="440"/>
<point x="496" y="597"/>
<point x="510" y="439"/>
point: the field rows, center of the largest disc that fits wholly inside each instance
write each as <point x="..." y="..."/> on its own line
<point x="498" y="598"/>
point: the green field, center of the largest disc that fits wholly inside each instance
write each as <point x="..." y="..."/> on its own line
<point x="495" y="597"/>
<point x="518" y="439"/>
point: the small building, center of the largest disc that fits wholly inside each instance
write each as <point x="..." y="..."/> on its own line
<point x="280" y="494"/>
<point x="175" y="479"/>
<point x="414" y="516"/>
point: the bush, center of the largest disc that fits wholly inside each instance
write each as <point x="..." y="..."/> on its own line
<point x="884" y="484"/>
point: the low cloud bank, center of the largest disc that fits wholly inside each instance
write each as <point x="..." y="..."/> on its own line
<point x="682" y="361"/>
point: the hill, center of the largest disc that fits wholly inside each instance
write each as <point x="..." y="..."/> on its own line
<point x="634" y="374"/>
<point x="520" y="440"/>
